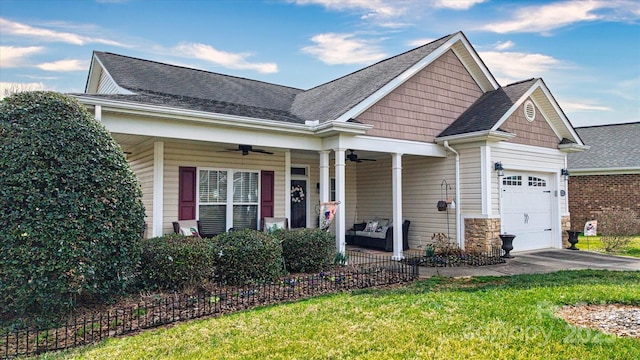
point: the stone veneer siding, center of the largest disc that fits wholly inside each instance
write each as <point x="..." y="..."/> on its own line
<point x="590" y="195"/>
<point x="566" y="225"/>
<point x="481" y="234"/>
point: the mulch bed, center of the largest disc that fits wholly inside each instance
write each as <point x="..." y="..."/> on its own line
<point x="615" y="319"/>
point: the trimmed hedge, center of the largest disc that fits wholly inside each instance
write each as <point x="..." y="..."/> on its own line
<point x="306" y="250"/>
<point x="247" y="256"/>
<point x="71" y="210"/>
<point x="176" y="261"/>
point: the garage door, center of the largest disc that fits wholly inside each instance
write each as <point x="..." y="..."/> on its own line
<point x="526" y="200"/>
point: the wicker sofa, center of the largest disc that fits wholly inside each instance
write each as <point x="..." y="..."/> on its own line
<point x="377" y="233"/>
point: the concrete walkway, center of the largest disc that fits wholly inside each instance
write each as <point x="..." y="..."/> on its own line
<point x="540" y="262"/>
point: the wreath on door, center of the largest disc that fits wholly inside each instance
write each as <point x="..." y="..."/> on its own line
<point x="297" y="194"/>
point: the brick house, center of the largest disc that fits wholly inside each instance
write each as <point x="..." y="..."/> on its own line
<point x="607" y="176"/>
<point x="433" y="121"/>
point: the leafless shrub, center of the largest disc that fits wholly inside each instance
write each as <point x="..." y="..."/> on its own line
<point x="617" y="228"/>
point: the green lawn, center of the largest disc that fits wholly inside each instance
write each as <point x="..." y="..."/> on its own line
<point x="593" y="243"/>
<point x="439" y="318"/>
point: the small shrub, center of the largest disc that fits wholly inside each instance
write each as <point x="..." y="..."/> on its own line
<point x="617" y="228"/>
<point x="176" y="261"/>
<point x="247" y="256"/>
<point x="306" y="250"/>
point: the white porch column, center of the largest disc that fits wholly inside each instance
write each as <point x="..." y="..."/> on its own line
<point x="396" y="171"/>
<point x="287" y="185"/>
<point x="340" y="218"/>
<point x="158" y="187"/>
<point x="324" y="175"/>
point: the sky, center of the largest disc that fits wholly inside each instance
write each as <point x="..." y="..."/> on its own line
<point x="587" y="51"/>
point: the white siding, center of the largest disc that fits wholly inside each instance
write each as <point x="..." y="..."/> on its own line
<point x="422" y="185"/>
<point x="470" y="180"/>
<point x="204" y="155"/>
<point x="422" y="179"/>
<point x="106" y="85"/>
<point x="141" y="162"/>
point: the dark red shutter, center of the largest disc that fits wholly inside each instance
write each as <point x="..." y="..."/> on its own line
<point x="187" y="193"/>
<point x="266" y="196"/>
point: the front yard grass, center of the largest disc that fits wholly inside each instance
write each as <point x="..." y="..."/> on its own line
<point x="439" y="318"/>
<point x="593" y="243"/>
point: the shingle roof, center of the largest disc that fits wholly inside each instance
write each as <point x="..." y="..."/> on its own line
<point x="612" y="146"/>
<point x="140" y="75"/>
<point x="330" y="100"/>
<point x="485" y="113"/>
<point x="163" y="84"/>
<point x="189" y="103"/>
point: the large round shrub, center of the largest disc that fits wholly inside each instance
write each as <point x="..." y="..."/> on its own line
<point x="71" y="209"/>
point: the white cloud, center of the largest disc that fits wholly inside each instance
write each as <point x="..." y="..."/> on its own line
<point x="504" y="45"/>
<point x="456" y="4"/>
<point x="8" y="88"/>
<point x="372" y="8"/>
<point x="552" y="16"/>
<point x="11" y="56"/>
<point x="333" y="49"/>
<point x="582" y="106"/>
<point x="18" y="29"/>
<point x="223" y="58"/>
<point x="420" y="42"/>
<point x="509" y="67"/>
<point x="64" y="65"/>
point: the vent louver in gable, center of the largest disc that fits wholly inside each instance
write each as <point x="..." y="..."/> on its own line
<point x="529" y="111"/>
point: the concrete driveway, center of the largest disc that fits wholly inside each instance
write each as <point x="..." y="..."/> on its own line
<point x="540" y="262"/>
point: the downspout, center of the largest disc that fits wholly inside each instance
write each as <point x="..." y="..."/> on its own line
<point x="458" y="200"/>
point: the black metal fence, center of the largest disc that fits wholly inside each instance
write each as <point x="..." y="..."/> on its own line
<point x="361" y="271"/>
<point x="452" y="257"/>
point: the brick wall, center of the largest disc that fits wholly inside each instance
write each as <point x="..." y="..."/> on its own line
<point x="592" y="194"/>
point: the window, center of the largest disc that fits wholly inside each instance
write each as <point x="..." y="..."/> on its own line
<point x="216" y="197"/>
<point x="301" y="171"/>
<point x="515" y="180"/>
<point x="534" y="181"/>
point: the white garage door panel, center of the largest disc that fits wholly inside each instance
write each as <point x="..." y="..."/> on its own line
<point x="527" y="210"/>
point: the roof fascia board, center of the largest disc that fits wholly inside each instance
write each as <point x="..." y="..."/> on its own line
<point x="95" y="79"/>
<point x="515" y="106"/>
<point x="94" y="75"/>
<point x="560" y="113"/>
<point x="476" y="58"/>
<point x="604" y="171"/>
<point x="485" y="135"/>
<point x="399" y="80"/>
<point x="539" y="84"/>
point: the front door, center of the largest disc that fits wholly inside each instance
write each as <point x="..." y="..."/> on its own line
<point x="298" y="203"/>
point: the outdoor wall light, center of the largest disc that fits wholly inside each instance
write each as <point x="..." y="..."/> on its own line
<point x="499" y="168"/>
<point x="565" y="174"/>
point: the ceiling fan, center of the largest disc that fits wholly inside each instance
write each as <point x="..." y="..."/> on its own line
<point x="351" y="156"/>
<point x="248" y="148"/>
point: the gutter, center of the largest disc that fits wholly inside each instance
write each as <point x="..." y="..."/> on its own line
<point x="458" y="201"/>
